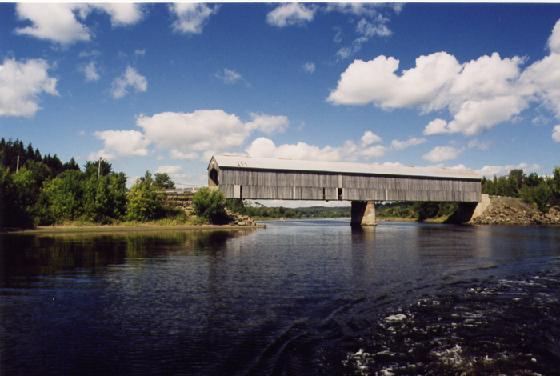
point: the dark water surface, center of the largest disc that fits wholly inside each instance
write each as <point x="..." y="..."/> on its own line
<point x="299" y="297"/>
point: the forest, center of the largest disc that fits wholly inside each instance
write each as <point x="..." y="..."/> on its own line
<point x="38" y="189"/>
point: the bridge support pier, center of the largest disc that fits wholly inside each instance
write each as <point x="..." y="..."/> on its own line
<point x="362" y="213"/>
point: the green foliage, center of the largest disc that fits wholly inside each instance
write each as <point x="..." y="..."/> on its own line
<point x="260" y="211"/>
<point x="163" y="181"/>
<point x="539" y="195"/>
<point x="13" y="211"/>
<point x="63" y="195"/>
<point x="539" y="190"/>
<point x="211" y="205"/>
<point x="101" y="167"/>
<point x="144" y="201"/>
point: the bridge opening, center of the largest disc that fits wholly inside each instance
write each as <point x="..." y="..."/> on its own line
<point x="213" y="178"/>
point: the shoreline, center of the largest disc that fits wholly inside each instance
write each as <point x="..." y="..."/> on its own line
<point x="109" y="229"/>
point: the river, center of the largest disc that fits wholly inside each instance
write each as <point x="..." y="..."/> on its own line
<point x="299" y="297"/>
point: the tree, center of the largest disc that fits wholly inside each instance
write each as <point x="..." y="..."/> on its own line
<point x="540" y="195"/>
<point x="63" y="196"/>
<point x="13" y="212"/>
<point x="92" y="167"/>
<point x="163" y="181"/>
<point x="211" y="205"/>
<point x="144" y="201"/>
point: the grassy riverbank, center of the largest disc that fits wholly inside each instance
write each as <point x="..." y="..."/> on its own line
<point x="125" y="227"/>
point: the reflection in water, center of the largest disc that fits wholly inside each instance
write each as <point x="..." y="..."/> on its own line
<point x="298" y="297"/>
<point x="24" y="257"/>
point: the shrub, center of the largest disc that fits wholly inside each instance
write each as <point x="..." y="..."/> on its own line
<point x="211" y="205"/>
<point x="144" y="201"/>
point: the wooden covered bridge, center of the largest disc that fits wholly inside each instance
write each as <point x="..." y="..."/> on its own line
<point x="287" y="179"/>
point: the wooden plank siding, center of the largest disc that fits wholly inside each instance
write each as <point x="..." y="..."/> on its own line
<point x="316" y="185"/>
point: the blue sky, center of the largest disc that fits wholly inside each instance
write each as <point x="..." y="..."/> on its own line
<point x="162" y="87"/>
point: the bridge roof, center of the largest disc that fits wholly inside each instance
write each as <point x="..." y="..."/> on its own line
<point x="282" y="164"/>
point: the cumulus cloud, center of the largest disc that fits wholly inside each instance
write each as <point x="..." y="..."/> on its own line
<point x="309" y="67"/>
<point x="369" y="138"/>
<point x="64" y="23"/>
<point x="122" y="143"/>
<point x="478" y="94"/>
<point x="500" y="170"/>
<point x="122" y="14"/>
<point x="441" y="154"/>
<point x="190" y="18"/>
<point x="130" y="80"/>
<point x="290" y="14"/>
<point x="554" y="40"/>
<point x="266" y="148"/>
<point x="228" y="76"/>
<point x="21" y="84"/>
<point x="436" y="126"/>
<point x="201" y="131"/>
<point x="556" y="133"/>
<point x="90" y="72"/>
<point x="268" y="124"/>
<point x="170" y="169"/>
<point x="349" y="150"/>
<point x="404" y="144"/>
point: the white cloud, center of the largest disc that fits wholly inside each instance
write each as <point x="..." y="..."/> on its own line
<point x="122" y="14"/>
<point x="63" y="23"/>
<point x="207" y="131"/>
<point x="176" y="154"/>
<point x="556" y="133"/>
<point x="478" y="94"/>
<point x="130" y="79"/>
<point x="554" y="40"/>
<point x="170" y="170"/>
<point x="369" y="138"/>
<point x="476" y="144"/>
<point x="140" y="52"/>
<point x="268" y="124"/>
<point x="229" y="76"/>
<point x="349" y="150"/>
<point x="441" y="154"/>
<point x="413" y="141"/>
<point x="309" y="67"/>
<point x="191" y="17"/>
<point x="178" y="175"/>
<point x="265" y="148"/>
<point x="54" y="22"/>
<point x="21" y="84"/>
<point x="90" y="71"/>
<point x="290" y="14"/>
<point x="371" y="21"/>
<point x="122" y="143"/>
<point x="500" y="170"/>
<point x="373" y="27"/>
<point x="436" y="126"/>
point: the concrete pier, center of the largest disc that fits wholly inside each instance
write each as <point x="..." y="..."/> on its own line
<point x="362" y="213"/>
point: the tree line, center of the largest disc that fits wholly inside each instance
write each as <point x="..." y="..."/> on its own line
<point x="38" y="189"/>
<point x="543" y="191"/>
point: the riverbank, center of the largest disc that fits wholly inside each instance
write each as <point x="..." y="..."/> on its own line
<point x="136" y="227"/>
<point x="498" y="210"/>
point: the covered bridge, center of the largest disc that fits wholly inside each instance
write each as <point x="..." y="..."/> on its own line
<point x="245" y="177"/>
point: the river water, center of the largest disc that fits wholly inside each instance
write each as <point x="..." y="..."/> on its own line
<point x="299" y="297"/>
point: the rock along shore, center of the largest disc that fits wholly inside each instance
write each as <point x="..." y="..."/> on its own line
<point x="498" y="210"/>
